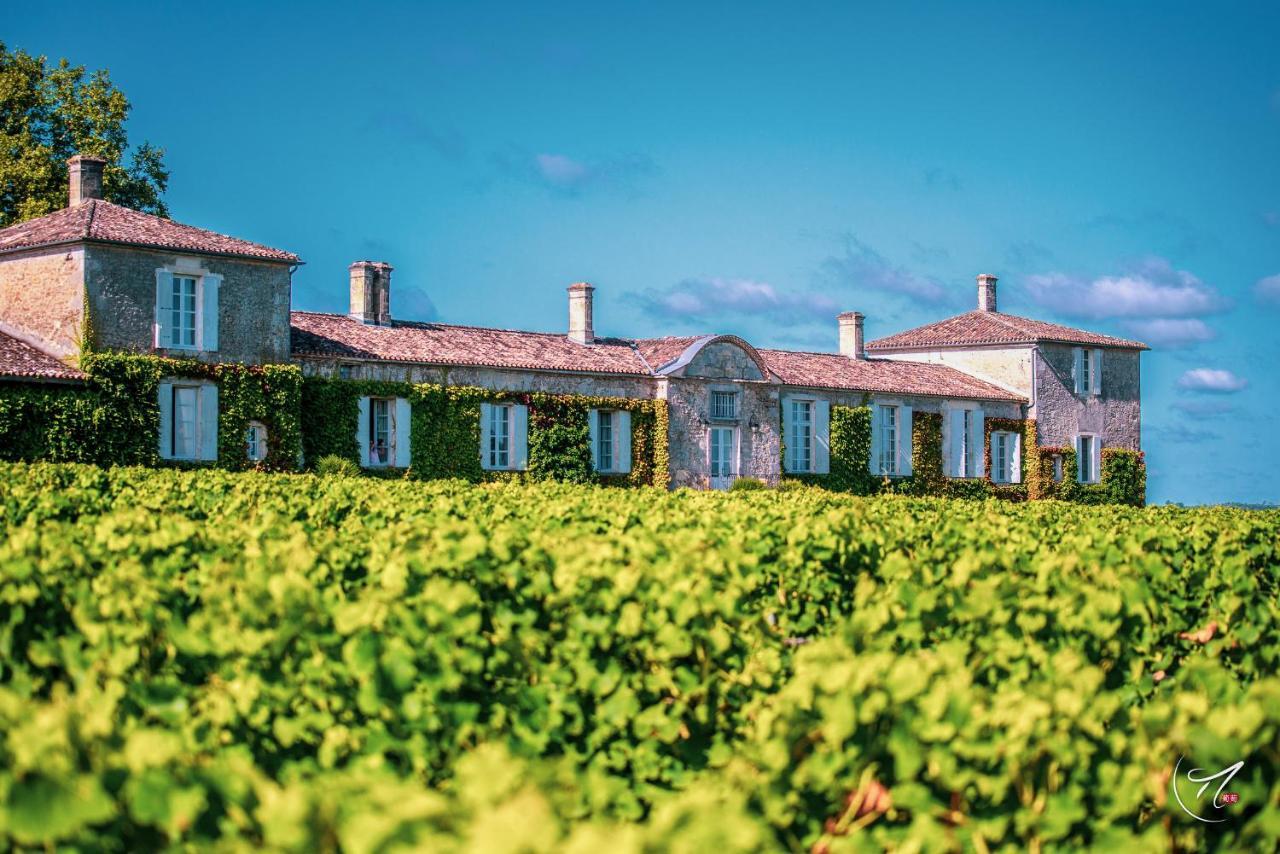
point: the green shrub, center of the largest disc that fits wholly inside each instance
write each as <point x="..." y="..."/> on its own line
<point x="747" y="484"/>
<point x="332" y="465"/>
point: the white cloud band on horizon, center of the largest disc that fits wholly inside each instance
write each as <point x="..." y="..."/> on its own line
<point x="715" y="299"/>
<point x="1152" y="289"/>
<point x="1171" y="332"/>
<point x="1212" y="380"/>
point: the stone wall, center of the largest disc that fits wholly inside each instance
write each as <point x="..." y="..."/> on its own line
<point x="42" y="297"/>
<point x="689" y="408"/>
<point x="1060" y="414"/>
<point x="1007" y="367"/>
<point x="253" y="303"/>
<point x="722" y="360"/>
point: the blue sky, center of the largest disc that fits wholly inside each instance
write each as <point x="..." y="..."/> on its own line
<point x="753" y="169"/>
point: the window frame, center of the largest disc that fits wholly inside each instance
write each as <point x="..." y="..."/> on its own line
<point x="810" y="406"/>
<point x="176" y="312"/>
<point x="1008" y="444"/>
<point x="1094" y="455"/>
<point x="888" y="450"/>
<point x="194" y="388"/>
<point x="256" y="448"/>
<point x="606" y="462"/>
<point x="721" y="394"/>
<point x="388" y="458"/>
<point x="493" y="452"/>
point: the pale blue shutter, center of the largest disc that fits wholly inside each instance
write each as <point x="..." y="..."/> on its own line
<point x="520" y="437"/>
<point x="209" y="285"/>
<point x="1079" y="460"/>
<point x="403" y="422"/>
<point x="904" y="440"/>
<point x="788" y="434"/>
<point x="1016" y="463"/>
<point x="593" y="429"/>
<point x="622" y="441"/>
<point x="955" y="442"/>
<point x="166" y="420"/>
<point x="1077" y="369"/>
<point x="208" y="422"/>
<point x="977" y="445"/>
<point x="486" y="416"/>
<point x="1095" y="374"/>
<point x="362" y="430"/>
<point x="164" y="309"/>
<point x="821" y="437"/>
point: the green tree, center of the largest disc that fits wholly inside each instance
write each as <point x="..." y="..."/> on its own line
<point x="47" y="114"/>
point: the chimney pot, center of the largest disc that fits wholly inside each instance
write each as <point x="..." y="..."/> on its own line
<point x="371" y="292"/>
<point x="84" y="172"/>
<point x="851" y="335"/>
<point x="581" y="330"/>
<point x="986" y="292"/>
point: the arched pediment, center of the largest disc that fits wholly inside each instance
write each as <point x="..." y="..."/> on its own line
<point x="718" y="357"/>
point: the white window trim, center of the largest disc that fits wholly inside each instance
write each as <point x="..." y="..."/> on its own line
<point x="735" y="450"/>
<point x="737" y="404"/>
<point x="971" y="406"/>
<point x="517" y="436"/>
<point x="192" y="268"/>
<point x="255" y="455"/>
<point x="206" y="422"/>
<point x="813" y="434"/>
<point x="1095" y="458"/>
<point x="391" y="432"/>
<point x="1015" y="455"/>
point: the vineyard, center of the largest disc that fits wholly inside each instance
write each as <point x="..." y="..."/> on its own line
<point x="249" y="661"/>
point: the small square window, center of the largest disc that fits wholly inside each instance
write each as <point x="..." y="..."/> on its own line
<point x="255" y="441"/>
<point x="345" y="372"/>
<point x="724" y="405"/>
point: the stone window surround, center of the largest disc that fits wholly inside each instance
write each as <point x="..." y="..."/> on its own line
<point x="898" y="403"/>
<point x="192" y="267"/>
<point x="726" y="388"/>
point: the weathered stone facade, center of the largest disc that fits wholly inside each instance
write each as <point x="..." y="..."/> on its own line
<point x="42" y="297"/>
<point x="253" y="303"/>
<point x="1007" y="367"/>
<point x="1115" y="414"/>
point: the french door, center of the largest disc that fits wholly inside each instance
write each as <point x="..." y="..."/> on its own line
<point x="724" y="456"/>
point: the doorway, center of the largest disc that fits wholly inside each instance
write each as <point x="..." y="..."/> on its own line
<point x="724" y="457"/>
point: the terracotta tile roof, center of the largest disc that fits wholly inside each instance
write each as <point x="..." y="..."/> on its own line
<point x="98" y="220"/>
<point x="831" y="370"/>
<point x="993" y="327"/>
<point x="661" y="351"/>
<point x="19" y="360"/>
<point x="339" y="336"/>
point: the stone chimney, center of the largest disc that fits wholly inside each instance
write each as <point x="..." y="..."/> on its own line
<point x="986" y="292"/>
<point x="851" y="335"/>
<point x="581" y="330"/>
<point x="85" y="172"/>
<point x="371" y="292"/>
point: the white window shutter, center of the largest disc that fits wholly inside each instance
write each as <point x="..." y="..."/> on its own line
<point x="520" y="437"/>
<point x="1095" y="375"/>
<point x="622" y="441"/>
<point x="209" y="286"/>
<point x="593" y="428"/>
<point x="1097" y="459"/>
<point x="362" y="430"/>
<point x="904" y="440"/>
<point x="164" y="308"/>
<point x="1077" y="368"/>
<point x="166" y="420"/>
<point x="1079" y="461"/>
<point x="978" y="446"/>
<point x="403" y="422"/>
<point x="821" y="437"/>
<point x="788" y="434"/>
<point x="208" y="422"/>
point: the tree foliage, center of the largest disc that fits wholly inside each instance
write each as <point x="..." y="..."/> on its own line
<point x="49" y="113"/>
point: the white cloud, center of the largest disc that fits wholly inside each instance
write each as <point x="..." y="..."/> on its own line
<point x="1214" y="380"/>
<point x="1152" y="289"/>
<point x="1268" y="289"/>
<point x="714" y="300"/>
<point x="861" y="267"/>
<point x="569" y="176"/>
<point x="1171" y="333"/>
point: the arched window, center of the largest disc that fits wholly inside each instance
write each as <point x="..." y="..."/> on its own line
<point x="255" y="441"/>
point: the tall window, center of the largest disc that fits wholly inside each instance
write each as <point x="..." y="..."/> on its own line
<point x="1086" y="369"/>
<point x="186" y="422"/>
<point x="604" y="440"/>
<point x="888" y="440"/>
<point x="724" y="405"/>
<point x="255" y="441"/>
<point x="500" y="437"/>
<point x="1057" y="467"/>
<point x="184" y="311"/>
<point x="1004" y="457"/>
<point x="801" y="450"/>
<point x="380" y="431"/>
<point x="1085" y="452"/>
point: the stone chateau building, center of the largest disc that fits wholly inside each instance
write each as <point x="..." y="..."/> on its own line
<point x="132" y="282"/>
